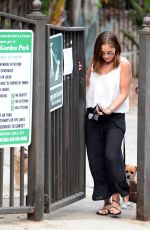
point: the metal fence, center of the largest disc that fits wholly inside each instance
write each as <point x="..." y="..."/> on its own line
<point x="58" y="142"/>
<point x="66" y="154"/>
<point x="12" y="201"/>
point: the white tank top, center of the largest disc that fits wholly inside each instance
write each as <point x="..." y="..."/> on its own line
<point x="104" y="89"/>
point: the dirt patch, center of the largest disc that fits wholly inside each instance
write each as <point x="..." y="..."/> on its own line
<point x="133" y="97"/>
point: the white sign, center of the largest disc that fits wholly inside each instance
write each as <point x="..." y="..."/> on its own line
<point x="16" y="74"/>
<point x="68" y="61"/>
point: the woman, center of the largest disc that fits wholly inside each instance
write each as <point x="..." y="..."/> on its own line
<point x="108" y="79"/>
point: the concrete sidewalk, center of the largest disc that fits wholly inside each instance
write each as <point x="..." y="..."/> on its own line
<point x="81" y="215"/>
<point x="78" y="216"/>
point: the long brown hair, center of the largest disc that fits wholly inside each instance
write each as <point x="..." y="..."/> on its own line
<point x="110" y="38"/>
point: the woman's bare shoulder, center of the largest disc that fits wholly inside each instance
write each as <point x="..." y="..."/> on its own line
<point x="91" y="61"/>
<point x="126" y="68"/>
<point x="124" y="62"/>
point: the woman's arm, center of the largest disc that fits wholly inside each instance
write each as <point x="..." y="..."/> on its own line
<point x="125" y="79"/>
<point x="88" y="72"/>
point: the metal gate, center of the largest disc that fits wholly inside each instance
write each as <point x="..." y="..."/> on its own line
<point x="12" y="201"/>
<point x="56" y="160"/>
<point x="30" y="198"/>
<point x="65" y="137"/>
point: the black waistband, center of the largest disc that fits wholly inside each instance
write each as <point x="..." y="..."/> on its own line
<point x="91" y="110"/>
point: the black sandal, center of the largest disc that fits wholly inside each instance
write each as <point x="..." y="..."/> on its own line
<point x="118" y="213"/>
<point x="104" y="211"/>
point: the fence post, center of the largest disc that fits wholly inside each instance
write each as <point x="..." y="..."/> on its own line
<point x="143" y="153"/>
<point x="37" y="148"/>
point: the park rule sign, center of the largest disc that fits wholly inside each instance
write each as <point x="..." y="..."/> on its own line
<point x="16" y="75"/>
<point x="56" y="71"/>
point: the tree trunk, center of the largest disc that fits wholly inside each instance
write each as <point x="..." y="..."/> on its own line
<point x="90" y="10"/>
<point x="73" y="9"/>
<point x="56" y="12"/>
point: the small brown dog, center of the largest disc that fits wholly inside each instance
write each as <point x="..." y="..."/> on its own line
<point x="17" y="164"/>
<point x="131" y="175"/>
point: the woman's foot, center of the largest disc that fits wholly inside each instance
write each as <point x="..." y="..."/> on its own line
<point x="115" y="208"/>
<point x="105" y="210"/>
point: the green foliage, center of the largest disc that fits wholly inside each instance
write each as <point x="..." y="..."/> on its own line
<point x="147" y="4"/>
<point x="137" y="14"/>
<point x="45" y="6"/>
<point x="130" y="37"/>
<point x="98" y="4"/>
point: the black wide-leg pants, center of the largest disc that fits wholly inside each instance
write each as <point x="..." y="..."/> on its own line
<point x="104" y="140"/>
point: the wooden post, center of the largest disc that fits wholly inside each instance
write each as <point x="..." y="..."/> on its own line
<point x="143" y="153"/>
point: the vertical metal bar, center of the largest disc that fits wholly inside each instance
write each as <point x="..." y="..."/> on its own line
<point x="11" y="189"/>
<point x="67" y="134"/>
<point x="55" y="157"/>
<point x="64" y="118"/>
<point x="48" y="142"/>
<point x="76" y="140"/>
<point x="2" y="22"/>
<point x="22" y="161"/>
<point x="53" y="151"/>
<point x="58" y="154"/>
<point x="13" y="24"/>
<point x="75" y="117"/>
<point x="24" y="26"/>
<point x="59" y="150"/>
<point x="53" y="154"/>
<point x="72" y="123"/>
<point x="76" y="111"/>
<point x="143" y="150"/>
<point x="1" y="175"/>
<point x="78" y="106"/>
<point x="71" y="119"/>
<point x="82" y="112"/>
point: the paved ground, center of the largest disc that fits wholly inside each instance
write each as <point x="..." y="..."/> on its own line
<point x="81" y="215"/>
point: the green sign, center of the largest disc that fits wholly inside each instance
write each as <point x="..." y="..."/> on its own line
<point x="16" y="75"/>
<point x="56" y="72"/>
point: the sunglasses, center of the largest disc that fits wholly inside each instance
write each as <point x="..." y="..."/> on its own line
<point x="110" y="54"/>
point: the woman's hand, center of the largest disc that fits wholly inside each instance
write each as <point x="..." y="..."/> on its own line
<point x="107" y="111"/>
<point x="99" y="110"/>
<point x="103" y="111"/>
<point x="80" y="66"/>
